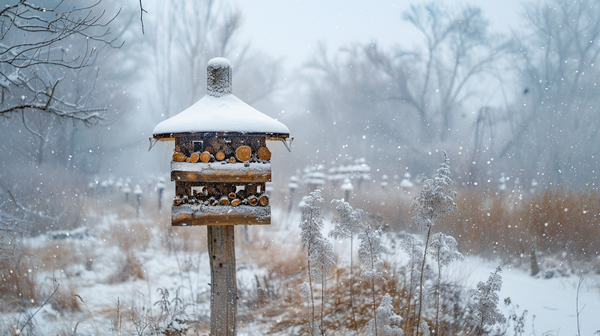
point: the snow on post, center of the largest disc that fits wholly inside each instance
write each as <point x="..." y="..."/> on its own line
<point x="218" y="77"/>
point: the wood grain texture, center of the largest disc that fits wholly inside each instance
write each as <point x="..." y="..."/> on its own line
<point x="223" y="286"/>
<point x="220" y="176"/>
<point x="218" y="220"/>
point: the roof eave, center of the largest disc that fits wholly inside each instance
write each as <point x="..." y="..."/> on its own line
<point x="268" y="135"/>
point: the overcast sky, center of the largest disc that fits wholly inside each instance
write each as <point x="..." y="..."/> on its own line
<point x="290" y="29"/>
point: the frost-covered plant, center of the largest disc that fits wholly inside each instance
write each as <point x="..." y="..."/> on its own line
<point x="485" y="305"/>
<point x="318" y="248"/>
<point x="172" y="318"/>
<point x="369" y="252"/>
<point x="349" y="223"/>
<point x="435" y="201"/>
<point x="387" y="322"/>
<point x="443" y="250"/>
<point x="414" y="248"/>
<point x="306" y="291"/>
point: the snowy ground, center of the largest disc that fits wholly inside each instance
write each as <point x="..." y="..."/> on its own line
<point x="551" y="301"/>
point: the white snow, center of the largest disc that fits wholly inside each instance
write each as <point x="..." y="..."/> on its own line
<point x="224" y="114"/>
<point x="552" y="301"/>
<point x="215" y="167"/>
<point x="198" y="210"/>
<point x="219" y="62"/>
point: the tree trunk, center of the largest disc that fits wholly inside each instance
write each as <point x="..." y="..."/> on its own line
<point x="223" y="299"/>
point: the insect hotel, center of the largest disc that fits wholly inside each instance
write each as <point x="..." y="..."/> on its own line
<point x="220" y="166"/>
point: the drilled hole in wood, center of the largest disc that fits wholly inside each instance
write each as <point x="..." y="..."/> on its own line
<point x="220" y="265"/>
<point x="214" y="257"/>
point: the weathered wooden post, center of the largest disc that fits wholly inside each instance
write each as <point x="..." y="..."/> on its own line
<point x="137" y="191"/>
<point x="347" y="187"/>
<point x="220" y="166"/>
<point x="160" y="187"/>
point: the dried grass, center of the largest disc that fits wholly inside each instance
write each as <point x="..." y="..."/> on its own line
<point x="129" y="268"/>
<point x="290" y="309"/>
<point x="558" y="224"/>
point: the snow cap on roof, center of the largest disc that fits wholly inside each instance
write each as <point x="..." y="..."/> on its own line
<point x="219" y="110"/>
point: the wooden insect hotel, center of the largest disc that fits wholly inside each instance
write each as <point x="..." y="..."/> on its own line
<point x="220" y="161"/>
<point x="220" y="167"/>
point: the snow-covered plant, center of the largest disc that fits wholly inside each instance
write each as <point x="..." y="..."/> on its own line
<point x="369" y="252"/>
<point x="172" y="318"/>
<point x="414" y="248"/>
<point x="387" y="323"/>
<point x="435" y="201"/>
<point x="443" y="250"/>
<point x="319" y="249"/>
<point x="350" y="221"/>
<point x="485" y="301"/>
<point x="306" y="292"/>
<point x="348" y="224"/>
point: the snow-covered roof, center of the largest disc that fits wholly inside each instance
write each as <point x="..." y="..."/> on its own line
<point x="220" y="111"/>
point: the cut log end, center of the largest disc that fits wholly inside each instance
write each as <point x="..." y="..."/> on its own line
<point x="232" y="195"/>
<point x="210" y="150"/>
<point x="263" y="200"/>
<point x="188" y="160"/>
<point x="220" y="156"/>
<point x="179" y="157"/>
<point x="235" y="202"/>
<point x="176" y="201"/>
<point x="232" y="160"/>
<point x="194" y="157"/>
<point x="205" y="157"/>
<point x="243" y="153"/>
<point x="224" y="200"/>
<point x="264" y="153"/>
<point x="252" y="200"/>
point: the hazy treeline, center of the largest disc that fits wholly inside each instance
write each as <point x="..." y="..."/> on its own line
<point x="524" y="104"/>
<point x="82" y="104"/>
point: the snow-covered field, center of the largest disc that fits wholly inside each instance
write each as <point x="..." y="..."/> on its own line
<point x="551" y="303"/>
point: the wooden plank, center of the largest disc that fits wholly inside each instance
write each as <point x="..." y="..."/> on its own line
<point x="218" y="219"/>
<point x="223" y="284"/>
<point x="220" y="176"/>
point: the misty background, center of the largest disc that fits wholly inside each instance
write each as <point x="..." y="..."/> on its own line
<point x="508" y="90"/>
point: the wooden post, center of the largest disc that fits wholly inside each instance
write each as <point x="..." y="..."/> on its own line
<point x="223" y="299"/>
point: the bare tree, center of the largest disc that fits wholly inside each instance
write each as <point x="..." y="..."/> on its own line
<point x="189" y="33"/>
<point x="554" y="119"/>
<point x="459" y="49"/>
<point x="33" y="55"/>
